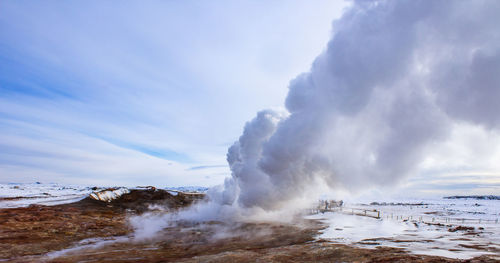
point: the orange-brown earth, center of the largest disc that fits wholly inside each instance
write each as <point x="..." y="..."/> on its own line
<point x="28" y="234"/>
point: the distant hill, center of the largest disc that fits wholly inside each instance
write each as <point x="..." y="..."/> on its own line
<point x="189" y="189"/>
<point x="476" y="197"/>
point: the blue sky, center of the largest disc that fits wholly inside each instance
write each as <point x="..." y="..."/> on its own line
<point x="134" y="93"/>
<point x="100" y="92"/>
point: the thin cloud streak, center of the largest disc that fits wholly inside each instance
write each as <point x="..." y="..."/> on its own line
<point x="95" y="92"/>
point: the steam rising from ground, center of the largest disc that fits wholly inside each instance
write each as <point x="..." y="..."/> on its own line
<point x="393" y="81"/>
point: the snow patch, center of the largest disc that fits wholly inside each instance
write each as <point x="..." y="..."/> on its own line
<point x="109" y="195"/>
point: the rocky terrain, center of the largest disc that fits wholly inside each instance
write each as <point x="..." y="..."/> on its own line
<point x="62" y="233"/>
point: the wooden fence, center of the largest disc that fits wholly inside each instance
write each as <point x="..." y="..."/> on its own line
<point x="375" y="213"/>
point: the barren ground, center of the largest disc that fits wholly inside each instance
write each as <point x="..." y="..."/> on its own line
<point x="28" y="234"/>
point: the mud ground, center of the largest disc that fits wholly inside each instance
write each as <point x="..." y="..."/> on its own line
<point x="29" y="234"/>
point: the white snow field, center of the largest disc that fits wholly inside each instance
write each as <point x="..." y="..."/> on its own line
<point x="21" y="195"/>
<point x="455" y="228"/>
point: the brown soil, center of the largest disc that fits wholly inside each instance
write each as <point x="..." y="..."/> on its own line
<point x="461" y="228"/>
<point x="21" y="197"/>
<point x="28" y="234"/>
<point x="36" y="230"/>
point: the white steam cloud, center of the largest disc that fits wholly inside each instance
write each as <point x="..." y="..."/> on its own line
<point x="393" y="79"/>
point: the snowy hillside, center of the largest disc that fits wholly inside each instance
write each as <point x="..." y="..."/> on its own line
<point x="21" y="195"/>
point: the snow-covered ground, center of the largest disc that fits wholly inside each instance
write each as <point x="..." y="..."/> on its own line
<point x="21" y="195"/>
<point x="454" y="209"/>
<point x="427" y="226"/>
<point x="189" y="189"/>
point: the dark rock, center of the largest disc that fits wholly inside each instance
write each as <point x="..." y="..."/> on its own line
<point x="476" y="197"/>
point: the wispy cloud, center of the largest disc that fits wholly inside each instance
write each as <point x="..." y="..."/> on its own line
<point x="202" y="167"/>
<point x="106" y="93"/>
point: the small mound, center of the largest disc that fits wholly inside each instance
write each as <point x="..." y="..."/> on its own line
<point x="141" y="199"/>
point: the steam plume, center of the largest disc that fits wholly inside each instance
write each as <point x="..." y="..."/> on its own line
<point x="393" y="79"/>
